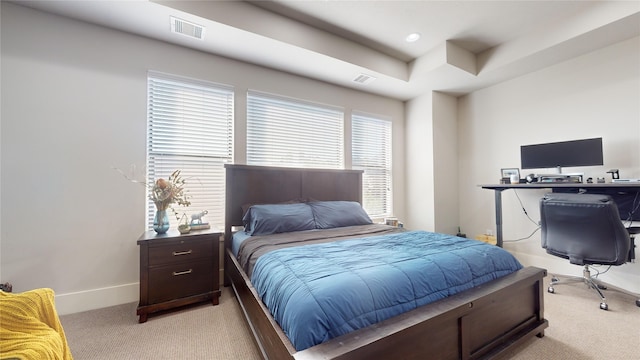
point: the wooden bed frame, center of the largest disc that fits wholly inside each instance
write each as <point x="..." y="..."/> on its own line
<point x="478" y="323"/>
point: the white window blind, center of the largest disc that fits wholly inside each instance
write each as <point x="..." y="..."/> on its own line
<point x="293" y="133"/>
<point x="371" y="152"/>
<point x="190" y="128"/>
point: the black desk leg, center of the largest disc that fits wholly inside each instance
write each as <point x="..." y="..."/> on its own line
<point x="498" y="196"/>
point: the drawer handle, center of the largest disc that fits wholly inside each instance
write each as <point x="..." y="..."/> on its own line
<point x="176" y="273"/>
<point x="176" y="253"/>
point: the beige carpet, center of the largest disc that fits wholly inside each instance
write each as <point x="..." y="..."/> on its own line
<point x="197" y="332"/>
<point x="578" y="330"/>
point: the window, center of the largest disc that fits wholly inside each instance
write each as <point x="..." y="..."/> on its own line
<point x="190" y="128"/>
<point x="293" y="133"/>
<point x="371" y="152"/>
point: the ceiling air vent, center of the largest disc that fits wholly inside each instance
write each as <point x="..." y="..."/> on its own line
<point x="364" y="79"/>
<point x="183" y="27"/>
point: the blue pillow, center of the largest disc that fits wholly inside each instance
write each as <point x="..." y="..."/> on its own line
<point x="278" y="218"/>
<point x="332" y="214"/>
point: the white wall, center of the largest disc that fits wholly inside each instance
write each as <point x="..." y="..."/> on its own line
<point x="73" y="107"/>
<point x="445" y="150"/>
<point x="432" y="163"/>
<point x="595" y="95"/>
<point x="420" y="201"/>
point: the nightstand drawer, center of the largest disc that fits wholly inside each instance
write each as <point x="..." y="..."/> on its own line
<point x="178" y="269"/>
<point x="180" y="280"/>
<point x="178" y="251"/>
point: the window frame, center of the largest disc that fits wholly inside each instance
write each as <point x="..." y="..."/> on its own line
<point x="207" y="113"/>
<point x="377" y="158"/>
<point x="289" y="132"/>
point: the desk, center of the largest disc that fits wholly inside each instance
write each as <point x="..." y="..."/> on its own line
<point x="613" y="189"/>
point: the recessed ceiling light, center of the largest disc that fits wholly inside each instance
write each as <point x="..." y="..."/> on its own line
<point x="412" y="37"/>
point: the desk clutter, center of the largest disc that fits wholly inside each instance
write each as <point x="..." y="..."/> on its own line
<point x="512" y="176"/>
<point x="563" y="178"/>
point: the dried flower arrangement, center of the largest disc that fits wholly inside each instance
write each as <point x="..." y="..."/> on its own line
<point x="164" y="193"/>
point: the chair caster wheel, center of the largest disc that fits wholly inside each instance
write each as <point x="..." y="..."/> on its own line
<point x="550" y="289"/>
<point x="601" y="287"/>
<point x="554" y="279"/>
<point x="604" y="306"/>
<point x="638" y="302"/>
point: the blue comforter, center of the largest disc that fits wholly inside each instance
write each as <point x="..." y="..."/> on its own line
<point x="318" y="292"/>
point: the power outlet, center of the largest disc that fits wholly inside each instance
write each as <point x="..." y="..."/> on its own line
<point x="489" y="232"/>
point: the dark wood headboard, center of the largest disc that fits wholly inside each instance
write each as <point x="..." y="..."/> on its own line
<point x="247" y="184"/>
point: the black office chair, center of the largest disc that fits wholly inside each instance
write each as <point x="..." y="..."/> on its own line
<point x="587" y="230"/>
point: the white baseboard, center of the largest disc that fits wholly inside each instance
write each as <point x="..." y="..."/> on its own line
<point x="71" y="303"/>
<point x="80" y="301"/>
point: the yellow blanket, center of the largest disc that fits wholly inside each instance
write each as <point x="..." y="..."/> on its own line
<point x="30" y="327"/>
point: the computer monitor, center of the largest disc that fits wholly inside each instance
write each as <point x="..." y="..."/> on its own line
<point x="584" y="152"/>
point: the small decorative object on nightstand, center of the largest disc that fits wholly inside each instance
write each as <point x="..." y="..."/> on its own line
<point x="197" y="223"/>
<point x="184" y="227"/>
<point x="164" y="193"/>
<point x="178" y="269"/>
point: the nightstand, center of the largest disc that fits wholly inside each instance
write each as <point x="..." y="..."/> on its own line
<point x="178" y="269"/>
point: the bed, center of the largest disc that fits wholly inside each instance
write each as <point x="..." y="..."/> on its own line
<point x="480" y="322"/>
